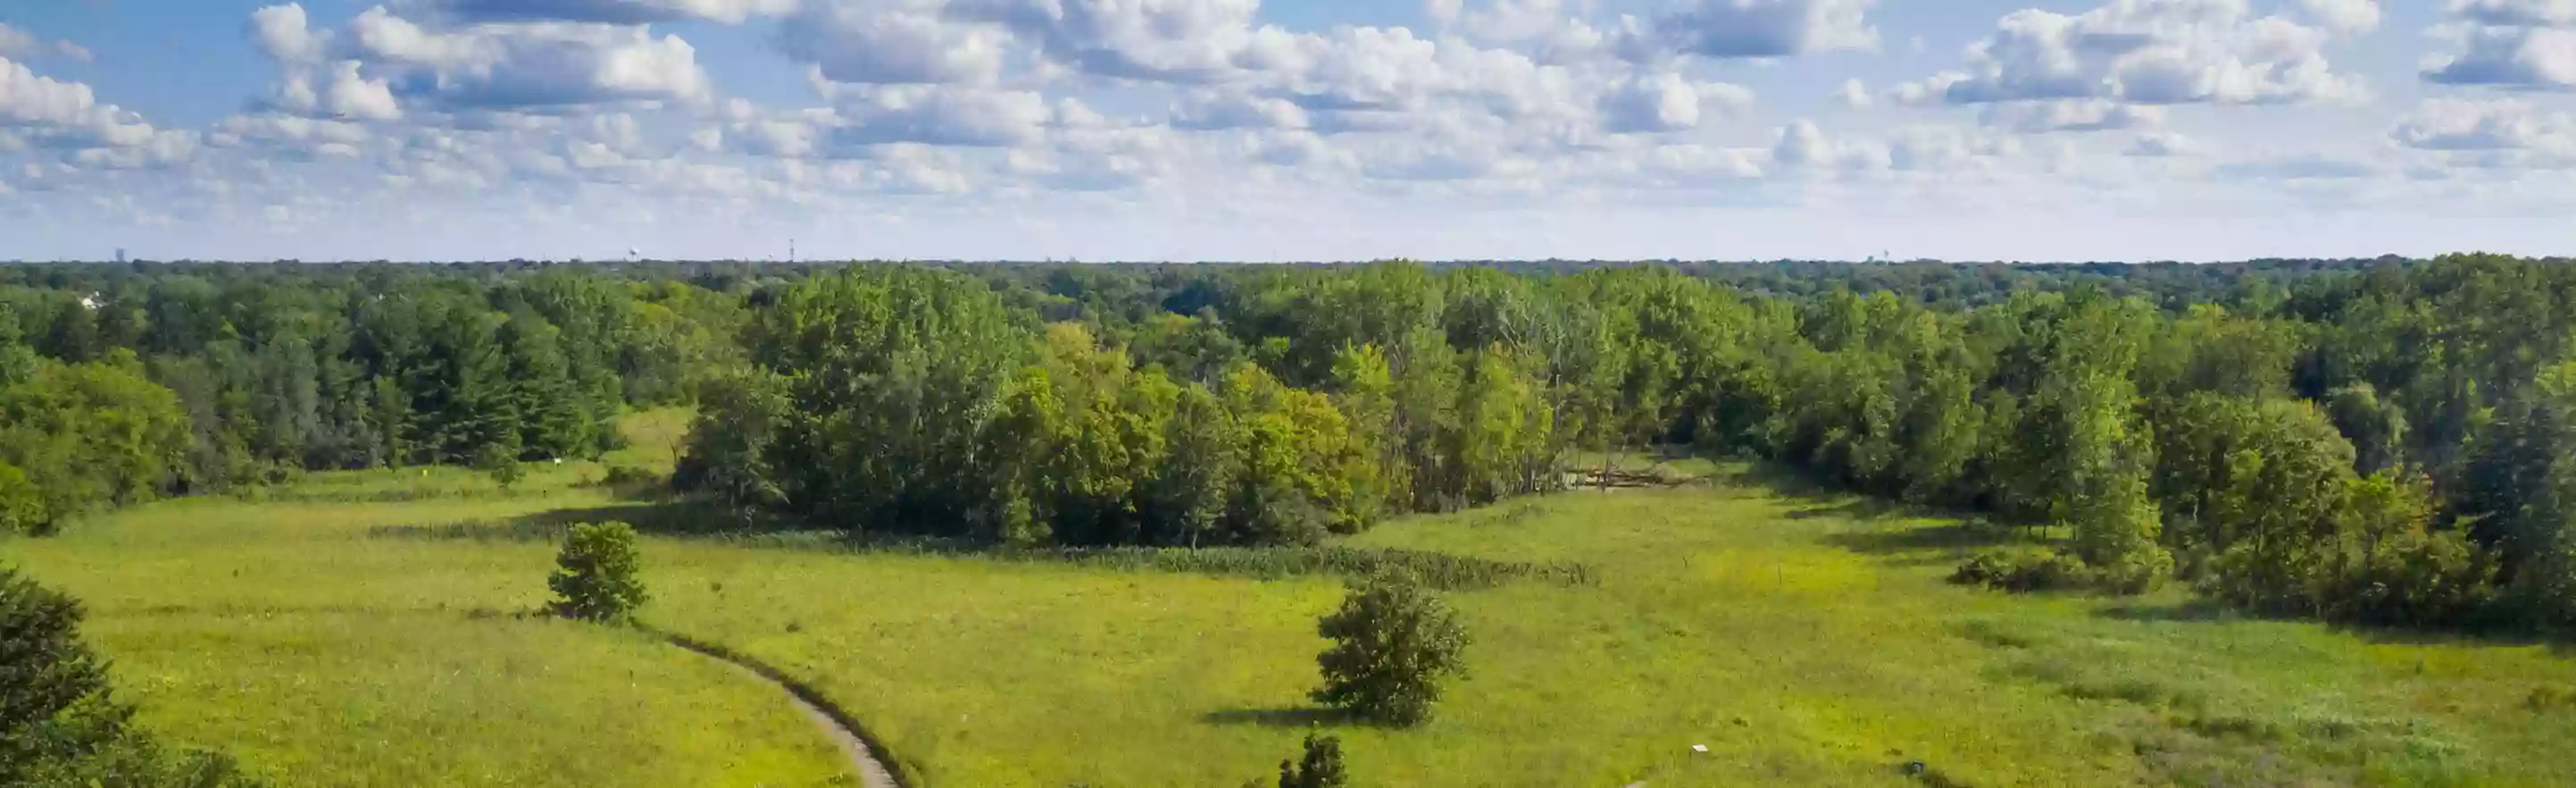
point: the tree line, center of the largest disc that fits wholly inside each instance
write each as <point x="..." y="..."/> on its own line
<point x="118" y="386"/>
<point x="2358" y="440"/>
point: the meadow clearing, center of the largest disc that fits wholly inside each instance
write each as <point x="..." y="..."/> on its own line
<point x="1804" y="639"/>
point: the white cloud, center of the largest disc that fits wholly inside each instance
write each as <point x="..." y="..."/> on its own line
<point x="2514" y="13"/>
<point x="2145" y="52"/>
<point x="940" y="115"/>
<point x="1766" y="28"/>
<point x="2344" y="16"/>
<point x="356" y="97"/>
<point x="537" y="64"/>
<point x="2498" y="133"/>
<point x="283" y="33"/>
<point x="621" y="12"/>
<point x="2518" y="57"/>
<point x="51" y="113"/>
<point x="1661" y="103"/>
<point x="1853" y="94"/>
<point x="21" y="45"/>
<point x="1163" y="40"/>
<point x="864" y="45"/>
<point x="1802" y="145"/>
<point x="2038" y="117"/>
<point x="1212" y="110"/>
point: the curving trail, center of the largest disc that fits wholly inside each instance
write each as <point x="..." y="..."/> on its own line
<point x="835" y="724"/>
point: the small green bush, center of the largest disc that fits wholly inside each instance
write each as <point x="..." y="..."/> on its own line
<point x="1320" y="768"/>
<point x="1393" y="641"/>
<point x="2020" y="571"/>
<point x="597" y="573"/>
<point x="630" y="476"/>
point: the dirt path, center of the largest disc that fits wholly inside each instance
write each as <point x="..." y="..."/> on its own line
<point x="834" y="724"/>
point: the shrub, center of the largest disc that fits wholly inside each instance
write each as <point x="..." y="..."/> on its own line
<point x="626" y="476"/>
<point x="2021" y="571"/>
<point x="1320" y="768"/>
<point x="1393" y="640"/>
<point x="596" y="573"/>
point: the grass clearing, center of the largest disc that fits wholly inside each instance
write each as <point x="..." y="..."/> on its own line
<point x="1805" y="640"/>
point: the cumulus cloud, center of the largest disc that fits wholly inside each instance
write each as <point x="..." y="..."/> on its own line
<point x="1217" y="110"/>
<point x="283" y="33"/>
<point x="2498" y="133"/>
<point x="2039" y="117"/>
<point x="59" y="114"/>
<point x="1651" y="104"/>
<point x="2152" y="52"/>
<point x="1854" y="94"/>
<point x="879" y="46"/>
<point x="22" y="45"/>
<point x="536" y="64"/>
<point x="940" y="115"/>
<point x="2514" y="13"/>
<point x="1163" y="40"/>
<point x="1766" y="28"/>
<point x="2541" y="58"/>
<point x="2344" y="16"/>
<point x="620" y="12"/>
<point x="1802" y="145"/>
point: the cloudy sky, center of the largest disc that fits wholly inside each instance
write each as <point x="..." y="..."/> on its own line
<point x="1285" y="129"/>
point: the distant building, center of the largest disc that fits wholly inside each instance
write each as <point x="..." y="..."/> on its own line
<point x="92" y="301"/>
<point x="120" y="255"/>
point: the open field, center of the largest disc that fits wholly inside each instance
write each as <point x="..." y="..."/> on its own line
<point x="1805" y="640"/>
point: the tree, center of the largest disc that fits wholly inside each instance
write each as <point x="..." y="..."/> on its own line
<point x="1320" y="767"/>
<point x="596" y="574"/>
<point x="1393" y="642"/>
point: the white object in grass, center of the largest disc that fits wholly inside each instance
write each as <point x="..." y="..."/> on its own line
<point x="1699" y="748"/>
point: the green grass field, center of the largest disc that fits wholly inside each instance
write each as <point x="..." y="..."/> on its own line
<point x="1805" y="640"/>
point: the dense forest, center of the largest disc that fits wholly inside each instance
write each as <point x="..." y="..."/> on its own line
<point x="2367" y="440"/>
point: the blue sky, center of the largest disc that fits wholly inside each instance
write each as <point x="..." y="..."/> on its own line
<point x="1271" y="130"/>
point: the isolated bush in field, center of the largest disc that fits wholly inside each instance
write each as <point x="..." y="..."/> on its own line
<point x="1320" y="768"/>
<point x="499" y="462"/>
<point x="58" y="725"/>
<point x="596" y="575"/>
<point x="2024" y="570"/>
<point x="630" y="476"/>
<point x="1393" y="640"/>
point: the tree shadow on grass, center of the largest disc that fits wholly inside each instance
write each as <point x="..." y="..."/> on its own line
<point x="665" y="516"/>
<point x="1923" y="545"/>
<point x="2193" y="610"/>
<point x="1303" y="717"/>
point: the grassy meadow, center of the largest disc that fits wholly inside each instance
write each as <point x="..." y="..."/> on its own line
<point x="1805" y="640"/>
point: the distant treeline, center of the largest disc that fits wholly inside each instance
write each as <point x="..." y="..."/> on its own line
<point x="2380" y="440"/>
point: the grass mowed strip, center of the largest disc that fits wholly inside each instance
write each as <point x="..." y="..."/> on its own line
<point x="1804" y="641"/>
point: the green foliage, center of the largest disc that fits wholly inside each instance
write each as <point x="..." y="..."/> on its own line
<point x="2022" y="571"/>
<point x="89" y="435"/>
<point x="1319" y="767"/>
<point x="1394" y="641"/>
<point x="598" y="574"/>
